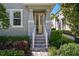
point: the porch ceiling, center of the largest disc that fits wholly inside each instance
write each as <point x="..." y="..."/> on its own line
<point x="39" y="4"/>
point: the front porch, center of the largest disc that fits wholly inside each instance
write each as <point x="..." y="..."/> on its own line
<point x="39" y="27"/>
<point x="39" y="17"/>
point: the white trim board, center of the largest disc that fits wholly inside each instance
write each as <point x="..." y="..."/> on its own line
<point x="11" y="17"/>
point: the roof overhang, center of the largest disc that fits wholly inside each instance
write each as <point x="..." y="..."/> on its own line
<point x="39" y="4"/>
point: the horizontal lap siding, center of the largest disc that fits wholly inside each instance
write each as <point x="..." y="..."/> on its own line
<point x="17" y="31"/>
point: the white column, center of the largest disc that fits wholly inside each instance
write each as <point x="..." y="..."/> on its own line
<point x="30" y="14"/>
<point x="48" y="14"/>
<point x="48" y="20"/>
<point x="56" y="25"/>
<point x="60" y="19"/>
<point x="31" y="27"/>
<point x="30" y="22"/>
<point x="61" y="23"/>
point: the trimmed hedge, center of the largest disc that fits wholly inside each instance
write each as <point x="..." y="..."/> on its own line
<point x="57" y="39"/>
<point x="11" y="53"/>
<point x="5" y="39"/>
<point x="70" y="49"/>
<point x="55" y="35"/>
<point x="65" y="40"/>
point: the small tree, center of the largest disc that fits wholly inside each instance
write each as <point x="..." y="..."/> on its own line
<point x="54" y="17"/>
<point x="4" y="21"/>
<point x="71" y="13"/>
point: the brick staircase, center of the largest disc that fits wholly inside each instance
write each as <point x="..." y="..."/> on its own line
<point x="39" y="43"/>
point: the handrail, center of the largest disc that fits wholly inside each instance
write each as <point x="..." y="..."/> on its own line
<point x="33" y="36"/>
<point x="46" y="36"/>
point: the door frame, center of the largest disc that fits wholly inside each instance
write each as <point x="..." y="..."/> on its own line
<point x="39" y="26"/>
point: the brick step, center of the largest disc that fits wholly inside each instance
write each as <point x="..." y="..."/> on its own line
<point x="40" y="38"/>
<point x="40" y="45"/>
<point x="39" y="35"/>
<point x="39" y="49"/>
<point x="39" y="42"/>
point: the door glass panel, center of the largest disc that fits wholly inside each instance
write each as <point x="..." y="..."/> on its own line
<point x="36" y="22"/>
<point x="39" y="17"/>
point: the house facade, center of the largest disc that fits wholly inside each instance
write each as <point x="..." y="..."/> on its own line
<point x="29" y="19"/>
<point x="24" y="17"/>
<point x="60" y="23"/>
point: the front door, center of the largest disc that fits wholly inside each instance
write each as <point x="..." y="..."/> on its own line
<point x="39" y="21"/>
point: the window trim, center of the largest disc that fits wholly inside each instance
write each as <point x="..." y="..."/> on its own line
<point x="11" y="17"/>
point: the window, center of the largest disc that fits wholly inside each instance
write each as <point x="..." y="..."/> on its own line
<point x="16" y="17"/>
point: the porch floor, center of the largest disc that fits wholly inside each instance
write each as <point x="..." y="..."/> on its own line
<point x="39" y="53"/>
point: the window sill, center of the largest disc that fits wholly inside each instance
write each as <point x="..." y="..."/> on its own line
<point x="16" y="26"/>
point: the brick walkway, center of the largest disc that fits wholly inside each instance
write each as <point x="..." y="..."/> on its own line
<point x="40" y="53"/>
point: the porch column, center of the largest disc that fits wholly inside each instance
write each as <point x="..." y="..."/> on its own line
<point x="61" y="24"/>
<point x="48" y="21"/>
<point x="54" y="23"/>
<point x="30" y="14"/>
<point x="61" y="17"/>
<point x="57" y="25"/>
<point x="30" y="22"/>
<point x="47" y="14"/>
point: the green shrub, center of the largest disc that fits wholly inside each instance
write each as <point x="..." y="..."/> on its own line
<point x="57" y="39"/>
<point x="70" y="49"/>
<point x="65" y="40"/>
<point x="52" y="51"/>
<point x="5" y="39"/>
<point x="11" y="53"/>
<point x="55" y="35"/>
<point x="55" y="44"/>
<point x="17" y="38"/>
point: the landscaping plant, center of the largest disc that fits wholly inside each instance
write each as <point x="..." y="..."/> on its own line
<point x="71" y="14"/>
<point x="57" y="39"/>
<point x="4" y="21"/>
<point x="70" y="49"/>
<point x="52" y="51"/>
<point x="11" y="53"/>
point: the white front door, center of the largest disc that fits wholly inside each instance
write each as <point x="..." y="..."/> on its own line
<point x="39" y="21"/>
